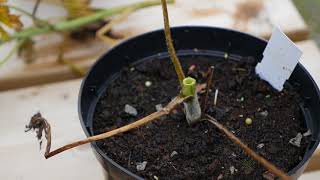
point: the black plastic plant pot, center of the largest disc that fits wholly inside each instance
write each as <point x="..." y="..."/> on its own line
<point x="207" y="41"/>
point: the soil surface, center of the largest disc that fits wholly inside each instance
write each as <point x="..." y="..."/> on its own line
<point x="172" y="149"/>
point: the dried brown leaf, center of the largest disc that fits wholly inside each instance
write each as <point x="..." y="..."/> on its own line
<point x="10" y="20"/>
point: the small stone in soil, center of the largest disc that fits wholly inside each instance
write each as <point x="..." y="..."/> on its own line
<point x="141" y="166"/>
<point x="261" y="145"/>
<point x="296" y="141"/>
<point x="130" y="110"/>
<point x="148" y="83"/>
<point x="263" y="114"/>
<point x="308" y="133"/>
<point x="155" y="177"/>
<point x="220" y="177"/>
<point x="248" y="121"/>
<point x="232" y="170"/>
<point x="234" y="154"/>
<point x="241" y="115"/>
<point x="159" y="107"/>
<point x="174" y="153"/>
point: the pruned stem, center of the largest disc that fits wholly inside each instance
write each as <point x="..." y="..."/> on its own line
<point x="169" y="42"/>
<point x="192" y="106"/>
<point x="166" y="110"/>
<point x="272" y="168"/>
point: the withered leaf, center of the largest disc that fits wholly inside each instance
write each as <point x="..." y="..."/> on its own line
<point x="10" y="20"/>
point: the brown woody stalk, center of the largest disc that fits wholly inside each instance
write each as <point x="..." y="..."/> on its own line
<point x="170" y="46"/>
<point x="166" y="110"/>
<point x="272" y="168"/>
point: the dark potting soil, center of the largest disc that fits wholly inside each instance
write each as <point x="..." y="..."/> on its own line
<point x="172" y="149"/>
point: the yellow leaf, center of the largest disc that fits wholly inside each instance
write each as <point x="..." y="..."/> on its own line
<point x="3" y="34"/>
<point x="15" y="22"/>
<point x="77" y="8"/>
<point x="10" y="20"/>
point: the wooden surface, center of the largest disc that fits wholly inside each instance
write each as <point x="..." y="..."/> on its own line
<point x="20" y="156"/>
<point x="253" y="16"/>
<point x="256" y="17"/>
<point x="58" y="103"/>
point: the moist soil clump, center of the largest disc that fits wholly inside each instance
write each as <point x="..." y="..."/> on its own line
<point x="169" y="148"/>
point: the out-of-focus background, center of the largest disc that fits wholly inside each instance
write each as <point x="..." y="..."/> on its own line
<point x="43" y="71"/>
<point x="309" y="9"/>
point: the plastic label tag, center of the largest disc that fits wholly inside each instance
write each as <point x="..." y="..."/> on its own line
<point x="279" y="60"/>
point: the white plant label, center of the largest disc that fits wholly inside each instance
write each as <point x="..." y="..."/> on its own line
<point x="279" y="60"/>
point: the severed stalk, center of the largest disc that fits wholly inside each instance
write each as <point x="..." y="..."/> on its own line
<point x="39" y="120"/>
<point x="272" y="168"/>
<point x="171" y="50"/>
<point x="192" y="106"/>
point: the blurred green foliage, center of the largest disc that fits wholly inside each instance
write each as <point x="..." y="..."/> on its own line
<point x="310" y="10"/>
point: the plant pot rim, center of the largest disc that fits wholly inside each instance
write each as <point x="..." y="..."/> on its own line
<point x="131" y="40"/>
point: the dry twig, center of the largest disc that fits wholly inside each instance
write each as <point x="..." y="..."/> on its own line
<point x="272" y="168"/>
<point x="171" y="50"/>
<point x="39" y="123"/>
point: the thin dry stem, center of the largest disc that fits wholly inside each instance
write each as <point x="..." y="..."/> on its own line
<point x="35" y="8"/>
<point x="101" y="33"/>
<point x="209" y="82"/>
<point x="166" y="110"/>
<point x="170" y="46"/>
<point x="272" y="168"/>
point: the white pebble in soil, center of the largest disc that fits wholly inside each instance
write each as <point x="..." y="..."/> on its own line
<point x="263" y="114"/>
<point x="159" y="107"/>
<point x="148" y="83"/>
<point x="130" y="110"/>
<point x="232" y="169"/>
<point x="296" y="141"/>
<point x="174" y="153"/>
<point x="261" y="145"/>
<point x="141" y="166"/>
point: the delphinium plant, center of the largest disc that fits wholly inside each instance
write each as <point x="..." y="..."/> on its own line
<point x="188" y="96"/>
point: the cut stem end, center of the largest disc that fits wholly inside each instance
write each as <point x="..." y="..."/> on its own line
<point x="192" y="106"/>
<point x="189" y="86"/>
